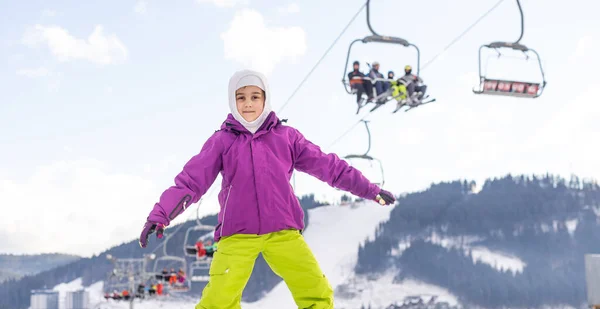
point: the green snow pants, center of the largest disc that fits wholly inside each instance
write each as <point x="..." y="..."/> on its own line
<point x="287" y="254"/>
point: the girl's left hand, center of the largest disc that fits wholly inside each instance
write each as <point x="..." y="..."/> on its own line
<point x="385" y="198"/>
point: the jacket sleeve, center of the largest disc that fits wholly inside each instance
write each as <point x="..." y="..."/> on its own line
<point x="198" y="174"/>
<point x="331" y="169"/>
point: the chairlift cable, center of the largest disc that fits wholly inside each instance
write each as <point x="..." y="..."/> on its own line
<point x="460" y="36"/>
<point x="322" y="57"/>
<point x="426" y="65"/>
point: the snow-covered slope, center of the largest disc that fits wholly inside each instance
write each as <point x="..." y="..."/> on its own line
<point x="498" y="260"/>
<point x="334" y="235"/>
<point x="383" y="291"/>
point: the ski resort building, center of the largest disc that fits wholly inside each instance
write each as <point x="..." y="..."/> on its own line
<point x="44" y="299"/>
<point x="77" y="300"/>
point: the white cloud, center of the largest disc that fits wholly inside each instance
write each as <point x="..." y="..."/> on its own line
<point x="250" y="42"/>
<point x="225" y="3"/>
<point x="98" y="48"/>
<point x="141" y="7"/>
<point x="34" y="73"/>
<point x="79" y="207"/>
<point x="289" y="9"/>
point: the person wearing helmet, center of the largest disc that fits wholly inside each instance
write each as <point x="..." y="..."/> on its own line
<point x="359" y="84"/>
<point x="391" y="75"/>
<point x="414" y="84"/>
<point x="380" y="86"/>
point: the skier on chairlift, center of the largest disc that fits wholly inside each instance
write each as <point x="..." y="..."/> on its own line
<point x="414" y="85"/>
<point x="380" y="86"/>
<point x="200" y="249"/>
<point x="181" y="276"/>
<point x="359" y="84"/>
<point x="210" y="248"/>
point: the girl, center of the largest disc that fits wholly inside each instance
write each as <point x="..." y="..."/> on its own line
<point x="256" y="154"/>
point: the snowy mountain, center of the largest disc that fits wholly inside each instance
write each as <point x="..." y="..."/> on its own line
<point x="514" y="242"/>
<point x="334" y="235"/>
<point x="16" y="266"/>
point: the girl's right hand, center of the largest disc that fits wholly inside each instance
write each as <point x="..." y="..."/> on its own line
<point x="149" y="228"/>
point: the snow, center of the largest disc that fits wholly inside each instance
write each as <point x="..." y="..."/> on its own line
<point x="334" y="233"/>
<point x="96" y="294"/>
<point x="452" y="241"/>
<point x="383" y="291"/>
<point x="497" y="259"/>
<point x="572" y="225"/>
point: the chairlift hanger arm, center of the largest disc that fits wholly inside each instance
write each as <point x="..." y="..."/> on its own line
<point x="366" y="122"/>
<point x="386" y="39"/>
<point x="369" y="17"/>
<point x="366" y="154"/>
<point x="516" y="45"/>
<point x="522" y="22"/>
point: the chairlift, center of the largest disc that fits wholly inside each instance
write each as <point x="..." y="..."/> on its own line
<point x="202" y="263"/>
<point x="190" y="249"/>
<point x="199" y="270"/>
<point x="512" y="88"/>
<point x="168" y="260"/>
<point x="366" y="155"/>
<point x="376" y="38"/>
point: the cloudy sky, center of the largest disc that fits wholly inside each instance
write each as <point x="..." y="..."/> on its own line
<point x="102" y="104"/>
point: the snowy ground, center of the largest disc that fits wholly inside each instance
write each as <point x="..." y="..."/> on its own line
<point x="382" y="292"/>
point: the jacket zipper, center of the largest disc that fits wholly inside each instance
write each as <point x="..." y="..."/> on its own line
<point x="255" y="187"/>
<point x="178" y="209"/>
<point x="225" y="210"/>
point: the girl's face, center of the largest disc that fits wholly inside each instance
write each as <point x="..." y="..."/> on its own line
<point x="250" y="102"/>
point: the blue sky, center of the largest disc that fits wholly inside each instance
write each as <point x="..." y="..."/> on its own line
<point x="102" y="104"/>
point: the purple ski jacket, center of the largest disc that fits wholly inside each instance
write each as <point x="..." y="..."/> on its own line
<point x="256" y="196"/>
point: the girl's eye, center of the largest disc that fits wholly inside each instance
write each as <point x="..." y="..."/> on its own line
<point x="240" y="98"/>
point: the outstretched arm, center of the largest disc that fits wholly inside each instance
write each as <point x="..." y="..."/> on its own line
<point x="191" y="183"/>
<point x="331" y="169"/>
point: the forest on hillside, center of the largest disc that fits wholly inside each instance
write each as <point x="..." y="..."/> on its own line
<point x="15" y="293"/>
<point x="549" y="222"/>
<point x="18" y="265"/>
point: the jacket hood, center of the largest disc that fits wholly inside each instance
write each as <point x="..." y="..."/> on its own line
<point x="232" y="124"/>
<point x="247" y="77"/>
